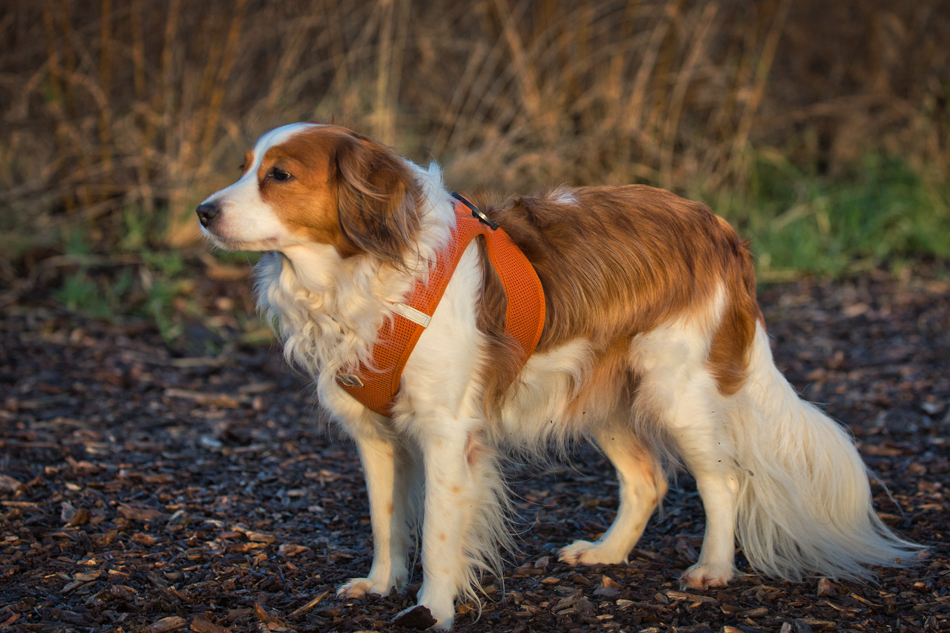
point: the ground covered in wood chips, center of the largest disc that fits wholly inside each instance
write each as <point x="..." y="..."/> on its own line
<point x="155" y="487"/>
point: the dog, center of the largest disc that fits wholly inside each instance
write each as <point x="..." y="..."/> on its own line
<point x="653" y="347"/>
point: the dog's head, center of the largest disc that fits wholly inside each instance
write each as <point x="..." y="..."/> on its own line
<point x="307" y="184"/>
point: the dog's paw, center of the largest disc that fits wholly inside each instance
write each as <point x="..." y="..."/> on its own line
<point x="417" y="617"/>
<point x="356" y="588"/>
<point x="587" y="553"/>
<point x="701" y="576"/>
<point x="422" y="617"/>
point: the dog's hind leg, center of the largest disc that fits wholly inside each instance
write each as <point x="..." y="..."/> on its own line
<point x="642" y="486"/>
<point x="387" y="467"/>
<point x="718" y="490"/>
<point x="695" y="426"/>
<point x="679" y="391"/>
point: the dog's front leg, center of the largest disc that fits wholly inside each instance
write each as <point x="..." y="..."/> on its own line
<point x="386" y="467"/>
<point x="460" y="510"/>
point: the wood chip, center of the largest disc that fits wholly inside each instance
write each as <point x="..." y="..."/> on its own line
<point x="692" y="597"/>
<point x="608" y="587"/>
<point x="826" y="588"/>
<point x="143" y="539"/>
<point x="204" y="398"/>
<point x="201" y="625"/>
<point x="139" y="514"/>
<point x="171" y="623"/>
<point x="260" y="537"/>
<point x="291" y="549"/>
<point x="123" y="591"/>
<point x="11" y="484"/>
<point x="160" y="539"/>
<point x="758" y="612"/>
<point x="309" y="605"/>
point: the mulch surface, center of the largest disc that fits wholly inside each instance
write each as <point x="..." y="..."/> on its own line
<point x="144" y="486"/>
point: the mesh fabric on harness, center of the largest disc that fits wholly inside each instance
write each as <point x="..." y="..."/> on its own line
<point x="524" y="318"/>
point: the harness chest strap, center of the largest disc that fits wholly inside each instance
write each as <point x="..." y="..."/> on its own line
<point x="524" y="318"/>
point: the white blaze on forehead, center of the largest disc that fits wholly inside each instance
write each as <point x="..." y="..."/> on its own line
<point x="276" y="137"/>
<point x="244" y="216"/>
<point x="270" y="139"/>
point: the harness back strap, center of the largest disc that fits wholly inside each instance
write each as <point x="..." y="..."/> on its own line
<point x="376" y="387"/>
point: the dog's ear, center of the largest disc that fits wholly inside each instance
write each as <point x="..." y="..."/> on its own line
<point x="377" y="198"/>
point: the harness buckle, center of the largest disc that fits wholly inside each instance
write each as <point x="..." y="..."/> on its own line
<point x="476" y="212"/>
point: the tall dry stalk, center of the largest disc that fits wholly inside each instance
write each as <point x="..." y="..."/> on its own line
<point x="105" y="82"/>
<point x="677" y="99"/>
<point x="633" y="112"/>
<point x="383" y="115"/>
<point x="741" y="140"/>
<point x="524" y="70"/>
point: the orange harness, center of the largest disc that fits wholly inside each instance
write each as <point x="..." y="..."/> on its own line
<point x="377" y="388"/>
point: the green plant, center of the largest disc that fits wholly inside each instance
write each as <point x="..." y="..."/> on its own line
<point x="167" y="264"/>
<point x="81" y="293"/>
<point x="879" y="213"/>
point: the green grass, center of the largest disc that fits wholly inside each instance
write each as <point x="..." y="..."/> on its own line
<point x="139" y="291"/>
<point x="157" y="287"/>
<point x="881" y="214"/>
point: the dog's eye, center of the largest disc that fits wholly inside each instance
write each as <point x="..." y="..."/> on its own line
<point x="242" y="167"/>
<point x="279" y="174"/>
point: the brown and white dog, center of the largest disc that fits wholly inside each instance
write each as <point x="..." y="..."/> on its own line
<point x="653" y="347"/>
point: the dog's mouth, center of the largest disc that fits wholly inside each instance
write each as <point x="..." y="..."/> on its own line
<point x="219" y="240"/>
<point x="232" y="244"/>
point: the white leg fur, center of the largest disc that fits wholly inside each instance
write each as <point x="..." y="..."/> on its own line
<point x="448" y="496"/>
<point x="705" y="449"/>
<point x="388" y="485"/>
<point x="642" y="485"/>
<point x="718" y="489"/>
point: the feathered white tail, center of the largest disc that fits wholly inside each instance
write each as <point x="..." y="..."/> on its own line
<point x="804" y="502"/>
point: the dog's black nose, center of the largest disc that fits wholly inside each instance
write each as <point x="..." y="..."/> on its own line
<point x="207" y="212"/>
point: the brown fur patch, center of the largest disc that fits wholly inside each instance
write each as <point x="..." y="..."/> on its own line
<point x="619" y="261"/>
<point x="733" y="338"/>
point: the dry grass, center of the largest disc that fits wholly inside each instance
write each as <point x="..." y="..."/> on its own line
<point x="143" y="107"/>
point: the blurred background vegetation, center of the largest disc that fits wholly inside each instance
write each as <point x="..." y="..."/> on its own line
<point x="820" y="129"/>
